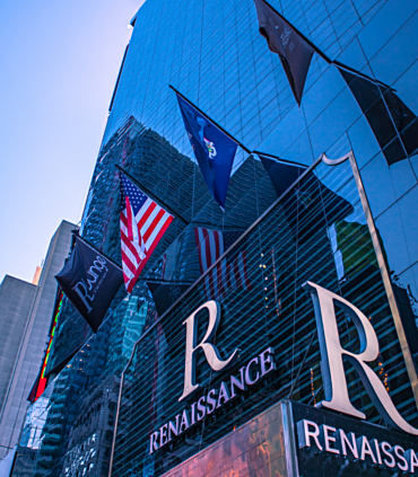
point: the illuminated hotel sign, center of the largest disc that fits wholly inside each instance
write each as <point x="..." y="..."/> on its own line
<point x="330" y="441"/>
<point x="355" y="446"/>
<point x="248" y="375"/>
<point x="334" y="378"/>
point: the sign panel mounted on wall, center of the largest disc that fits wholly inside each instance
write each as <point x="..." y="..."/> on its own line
<point x="334" y="376"/>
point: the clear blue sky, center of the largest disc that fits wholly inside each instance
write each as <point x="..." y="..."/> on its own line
<point x="59" y="61"/>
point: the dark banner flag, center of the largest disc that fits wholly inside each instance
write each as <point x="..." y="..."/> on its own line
<point x="214" y="149"/>
<point x="393" y="123"/>
<point x="282" y="173"/>
<point x="42" y="380"/>
<point x="311" y="205"/>
<point x="294" y="50"/>
<point x="165" y="294"/>
<point x="90" y="280"/>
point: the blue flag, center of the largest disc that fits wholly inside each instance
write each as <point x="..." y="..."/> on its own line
<point x="214" y="150"/>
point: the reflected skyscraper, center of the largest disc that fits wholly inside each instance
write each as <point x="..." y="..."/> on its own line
<point x="316" y="231"/>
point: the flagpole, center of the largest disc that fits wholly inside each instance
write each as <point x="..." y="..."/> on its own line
<point x="90" y="245"/>
<point x="284" y="161"/>
<point x="320" y="52"/>
<point x="225" y="228"/>
<point x="211" y="120"/>
<point x="359" y="73"/>
<point x="148" y="192"/>
<point x="166" y="282"/>
<point x="387" y="282"/>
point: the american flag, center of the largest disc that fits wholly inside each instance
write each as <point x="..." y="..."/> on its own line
<point x="142" y="224"/>
<point x="228" y="274"/>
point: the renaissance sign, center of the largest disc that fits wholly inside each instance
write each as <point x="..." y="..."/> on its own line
<point x="327" y="441"/>
<point x="356" y="447"/>
<point x="249" y="375"/>
<point x="332" y="353"/>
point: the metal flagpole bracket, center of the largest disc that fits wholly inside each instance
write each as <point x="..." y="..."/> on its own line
<point x="335" y="162"/>
<point x="406" y="352"/>
<point x="400" y="331"/>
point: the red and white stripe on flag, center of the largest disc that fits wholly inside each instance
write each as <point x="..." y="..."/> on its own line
<point x="140" y="233"/>
<point x="226" y="274"/>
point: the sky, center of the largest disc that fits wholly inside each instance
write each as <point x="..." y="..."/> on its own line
<point x="58" y="67"/>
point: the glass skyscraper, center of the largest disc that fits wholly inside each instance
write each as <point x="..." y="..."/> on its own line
<point x="276" y="236"/>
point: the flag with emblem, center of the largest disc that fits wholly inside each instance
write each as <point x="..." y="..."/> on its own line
<point x="224" y="275"/>
<point x="213" y="147"/>
<point x="90" y="280"/>
<point x="294" y="50"/>
<point x="142" y="224"/>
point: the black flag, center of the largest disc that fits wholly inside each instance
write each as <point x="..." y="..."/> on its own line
<point x="311" y="206"/>
<point x="90" y="280"/>
<point x="166" y="293"/>
<point x="393" y="123"/>
<point x="282" y="173"/>
<point x="294" y="49"/>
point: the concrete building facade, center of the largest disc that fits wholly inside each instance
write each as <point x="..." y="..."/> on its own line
<point x="30" y="335"/>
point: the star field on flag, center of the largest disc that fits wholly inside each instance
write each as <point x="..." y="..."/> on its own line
<point x="142" y="224"/>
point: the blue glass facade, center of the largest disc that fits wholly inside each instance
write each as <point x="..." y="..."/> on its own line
<point x="271" y="309"/>
<point x="214" y="55"/>
<point x="212" y="52"/>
